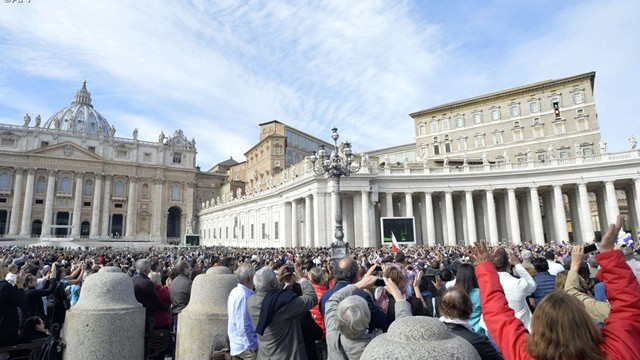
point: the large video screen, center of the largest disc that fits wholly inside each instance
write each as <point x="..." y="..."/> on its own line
<point x="404" y="229"/>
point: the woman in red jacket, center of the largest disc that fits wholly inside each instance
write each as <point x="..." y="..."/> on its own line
<point x="560" y="327"/>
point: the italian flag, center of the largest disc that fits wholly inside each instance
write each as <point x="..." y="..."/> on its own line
<point x="394" y="243"/>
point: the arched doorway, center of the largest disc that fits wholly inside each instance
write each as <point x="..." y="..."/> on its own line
<point x="173" y="222"/>
<point x="85" y="227"/>
<point x="117" y="221"/>
<point x="62" y="219"/>
<point x="36" y="228"/>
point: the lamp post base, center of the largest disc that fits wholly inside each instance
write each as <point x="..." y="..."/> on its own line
<point x="339" y="250"/>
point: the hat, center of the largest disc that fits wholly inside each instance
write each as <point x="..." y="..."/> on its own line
<point x="624" y="239"/>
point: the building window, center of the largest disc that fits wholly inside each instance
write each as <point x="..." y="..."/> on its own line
<point x="242" y="231"/>
<point x="497" y="138"/>
<point x="88" y="187"/>
<point x="563" y="153"/>
<point x="434" y="127"/>
<point x="518" y="135"/>
<point x="479" y="140"/>
<point x="445" y="124"/>
<point x="514" y="110"/>
<point x="44" y="144"/>
<point x="276" y="230"/>
<point x="264" y="231"/>
<point x="536" y="120"/>
<point x="121" y="153"/>
<point x="277" y="150"/>
<point x="252" y="232"/>
<point x="579" y="112"/>
<point x="176" y="192"/>
<point x="447" y="147"/>
<point x="477" y="118"/>
<point x="578" y="97"/>
<point x="462" y="144"/>
<point x="521" y="158"/>
<point x="65" y="185"/>
<point x="147" y="157"/>
<point x="39" y="201"/>
<point x="436" y="149"/>
<point x="516" y="123"/>
<point x="421" y="129"/>
<point x="177" y="158"/>
<point x="587" y="150"/>
<point x="118" y="189"/>
<point x="559" y="128"/>
<point x="534" y="106"/>
<point x="40" y="186"/>
<point x="5" y="141"/>
<point x="460" y="121"/>
<point x="582" y="124"/>
<point x="495" y="114"/>
<point x="92" y="149"/>
<point x="538" y="131"/>
<point x="542" y="157"/>
<point x="277" y="164"/>
<point x="5" y="182"/>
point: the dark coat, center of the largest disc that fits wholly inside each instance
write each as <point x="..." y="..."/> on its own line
<point x="378" y="318"/>
<point x="480" y="342"/>
<point x="10" y="299"/>
<point x="180" y="293"/>
<point x="33" y="306"/>
<point x="146" y="295"/>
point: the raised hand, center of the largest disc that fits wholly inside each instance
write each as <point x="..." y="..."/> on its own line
<point x="481" y="253"/>
<point x="609" y="238"/>
<point x="577" y="254"/>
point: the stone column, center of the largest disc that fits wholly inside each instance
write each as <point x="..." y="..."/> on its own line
<point x="308" y="221"/>
<point x="636" y="198"/>
<point x="158" y="198"/>
<point x="16" y="199"/>
<point x="106" y="206"/>
<point x="389" y="204"/>
<point x="560" y="222"/>
<point x="366" y="222"/>
<point x="94" y="231"/>
<point x="538" y="231"/>
<point x="430" y="219"/>
<point x="471" y="217"/>
<point x="107" y="298"/>
<point x="202" y="325"/>
<point x="188" y="200"/>
<point x="130" y="230"/>
<point x="451" y="224"/>
<point x="77" y="206"/>
<point x="491" y="216"/>
<point x="513" y="216"/>
<point x="25" y="227"/>
<point x="287" y="224"/>
<point x="294" y="223"/>
<point x="408" y="196"/>
<point x="585" y="214"/>
<point x="320" y="225"/>
<point x="612" y="203"/>
<point x="48" y="205"/>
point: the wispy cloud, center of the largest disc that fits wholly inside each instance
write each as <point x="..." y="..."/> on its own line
<point x="218" y="68"/>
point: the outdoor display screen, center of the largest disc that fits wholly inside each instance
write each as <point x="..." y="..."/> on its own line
<point x="404" y="229"/>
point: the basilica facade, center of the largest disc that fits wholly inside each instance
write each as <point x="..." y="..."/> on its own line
<point x="71" y="177"/>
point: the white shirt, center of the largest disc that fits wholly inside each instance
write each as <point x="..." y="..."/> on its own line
<point x="516" y="291"/>
<point x="554" y="268"/>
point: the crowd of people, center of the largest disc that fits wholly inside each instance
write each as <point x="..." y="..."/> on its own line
<point x="518" y="302"/>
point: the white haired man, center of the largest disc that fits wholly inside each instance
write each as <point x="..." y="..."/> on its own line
<point x="242" y="334"/>
<point x="277" y="314"/>
<point x="347" y="317"/>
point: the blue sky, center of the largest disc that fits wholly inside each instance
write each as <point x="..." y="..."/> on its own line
<point x="216" y="69"/>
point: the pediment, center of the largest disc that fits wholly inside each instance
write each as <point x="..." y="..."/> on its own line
<point x="67" y="150"/>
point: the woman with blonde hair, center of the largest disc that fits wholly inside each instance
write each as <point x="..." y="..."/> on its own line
<point x="560" y="326"/>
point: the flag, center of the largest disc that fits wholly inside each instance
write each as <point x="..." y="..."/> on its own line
<point x="394" y="243"/>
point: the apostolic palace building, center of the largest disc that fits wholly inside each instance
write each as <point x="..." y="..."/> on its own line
<point x="520" y="165"/>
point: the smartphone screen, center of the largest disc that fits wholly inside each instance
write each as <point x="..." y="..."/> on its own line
<point x="590" y="248"/>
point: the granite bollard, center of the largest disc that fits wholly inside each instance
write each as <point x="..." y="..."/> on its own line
<point x="419" y="338"/>
<point x="202" y="325"/>
<point x="107" y="322"/>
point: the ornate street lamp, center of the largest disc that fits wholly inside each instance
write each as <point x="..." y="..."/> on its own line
<point x="337" y="164"/>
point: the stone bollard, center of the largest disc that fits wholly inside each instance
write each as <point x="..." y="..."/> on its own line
<point x="418" y="338"/>
<point x="202" y="325"/>
<point x="107" y="322"/>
